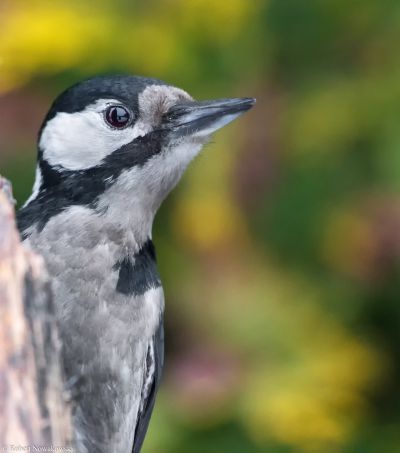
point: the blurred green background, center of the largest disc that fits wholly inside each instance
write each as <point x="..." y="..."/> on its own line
<point x="279" y="251"/>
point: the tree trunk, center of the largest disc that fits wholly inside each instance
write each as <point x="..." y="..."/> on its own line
<point x="33" y="408"/>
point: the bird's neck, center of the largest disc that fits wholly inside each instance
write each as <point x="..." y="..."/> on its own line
<point x="122" y="217"/>
<point x="131" y="220"/>
<point x="122" y="203"/>
<point x="129" y="211"/>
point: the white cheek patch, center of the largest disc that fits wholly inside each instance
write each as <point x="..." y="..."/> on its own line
<point x="80" y="140"/>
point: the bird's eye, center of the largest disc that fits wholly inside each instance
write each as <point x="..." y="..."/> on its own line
<point x="117" y="116"/>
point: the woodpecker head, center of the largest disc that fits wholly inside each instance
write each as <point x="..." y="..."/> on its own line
<point x="123" y="141"/>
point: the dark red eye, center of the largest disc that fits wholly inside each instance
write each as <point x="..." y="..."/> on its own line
<point x="117" y="116"/>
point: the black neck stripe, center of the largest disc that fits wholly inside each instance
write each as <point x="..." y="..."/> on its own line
<point x="138" y="275"/>
<point x="62" y="189"/>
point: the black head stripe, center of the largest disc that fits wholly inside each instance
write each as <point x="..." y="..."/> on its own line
<point x="121" y="87"/>
<point x="65" y="188"/>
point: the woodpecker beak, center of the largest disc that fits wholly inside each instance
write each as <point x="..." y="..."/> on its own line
<point x="200" y="119"/>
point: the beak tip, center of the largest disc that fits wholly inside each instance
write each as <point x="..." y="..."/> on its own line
<point x="247" y="103"/>
<point x="208" y="116"/>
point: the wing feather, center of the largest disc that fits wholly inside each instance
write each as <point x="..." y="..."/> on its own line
<point x="151" y="382"/>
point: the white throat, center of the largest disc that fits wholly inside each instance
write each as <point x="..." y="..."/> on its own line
<point x="132" y="201"/>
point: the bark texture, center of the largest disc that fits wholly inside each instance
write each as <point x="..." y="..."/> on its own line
<point x="33" y="407"/>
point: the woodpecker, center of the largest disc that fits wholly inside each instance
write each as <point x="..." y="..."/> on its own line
<point x="109" y="151"/>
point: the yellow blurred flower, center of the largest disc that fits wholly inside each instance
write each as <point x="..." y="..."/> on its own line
<point x="42" y="37"/>
<point x="218" y="21"/>
<point x="206" y="215"/>
<point x="314" y="402"/>
<point x="294" y="417"/>
<point x="208" y="222"/>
